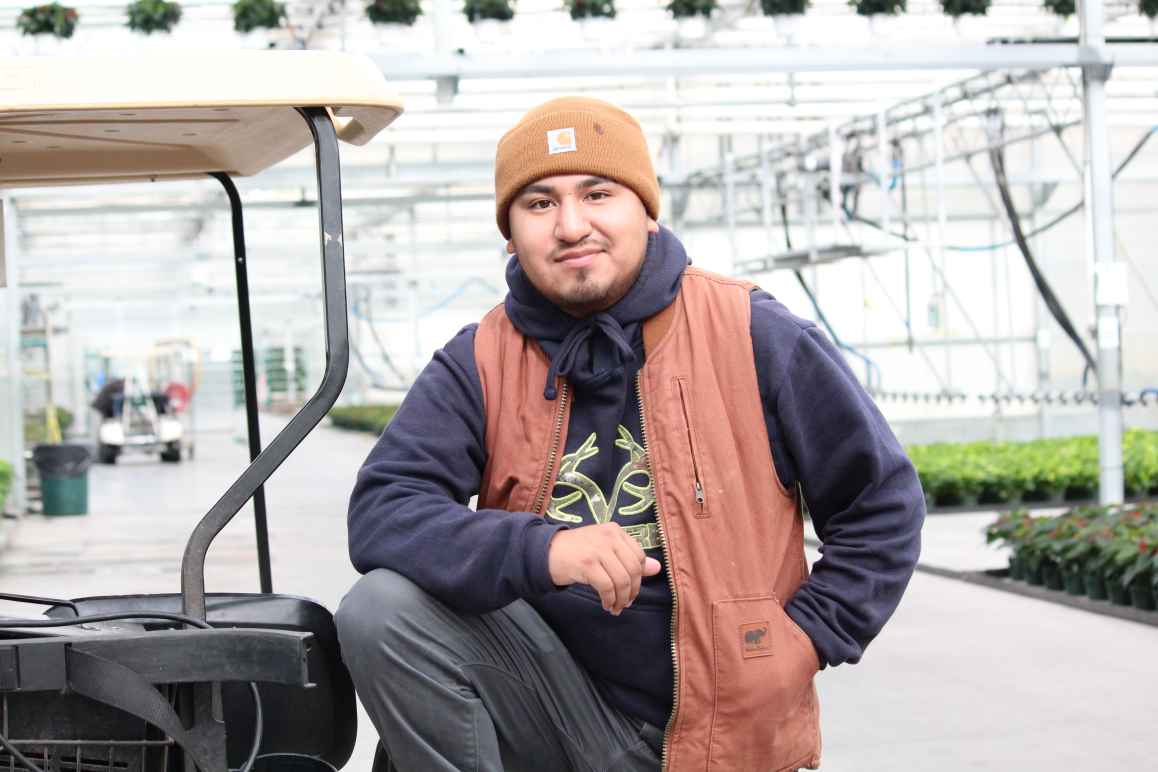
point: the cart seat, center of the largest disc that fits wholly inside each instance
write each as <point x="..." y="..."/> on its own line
<point x="318" y="721"/>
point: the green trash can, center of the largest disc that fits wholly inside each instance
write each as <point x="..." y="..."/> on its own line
<point x="63" y="470"/>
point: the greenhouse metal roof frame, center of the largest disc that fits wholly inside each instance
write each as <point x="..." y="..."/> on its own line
<point x="676" y="63"/>
<point x="930" y="115"/>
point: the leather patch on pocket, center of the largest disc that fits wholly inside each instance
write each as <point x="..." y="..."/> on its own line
<point x="756" y="639"/>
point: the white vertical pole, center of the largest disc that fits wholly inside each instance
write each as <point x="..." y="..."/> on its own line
<point x="728" y="171"/>
<point x="883" y="172"/>
<point x="766" y="194"/>
<point x="942" y="228"/>
<point x="835" y="179"/>
<point x="12" y="436"/>
<point x="1109" y="273"/>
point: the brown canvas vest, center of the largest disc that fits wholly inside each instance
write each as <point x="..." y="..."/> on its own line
<point x="732" y="535"/>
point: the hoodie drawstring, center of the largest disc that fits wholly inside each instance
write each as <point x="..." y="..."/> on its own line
<point x="564" y="360"/>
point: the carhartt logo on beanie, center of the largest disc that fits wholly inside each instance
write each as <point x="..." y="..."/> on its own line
<point x="573" y="135"/>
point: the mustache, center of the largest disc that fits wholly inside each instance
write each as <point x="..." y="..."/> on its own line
<point x="582" y="245"/>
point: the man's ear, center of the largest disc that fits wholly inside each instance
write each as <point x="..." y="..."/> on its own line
<point x="510" y="247"/>
<point x="652" y="226"/>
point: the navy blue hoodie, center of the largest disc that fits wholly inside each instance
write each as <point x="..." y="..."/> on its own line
<point x="409" y="508"/>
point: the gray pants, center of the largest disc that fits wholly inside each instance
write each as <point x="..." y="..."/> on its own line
<point x="496" y="691"/>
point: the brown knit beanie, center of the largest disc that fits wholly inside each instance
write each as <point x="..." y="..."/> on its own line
<point x="573" y="135"/>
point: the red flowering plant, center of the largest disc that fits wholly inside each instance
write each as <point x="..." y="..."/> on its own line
<point x="1138" y="556"/>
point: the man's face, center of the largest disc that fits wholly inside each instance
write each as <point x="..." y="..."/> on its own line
<point x="581" y="240"/>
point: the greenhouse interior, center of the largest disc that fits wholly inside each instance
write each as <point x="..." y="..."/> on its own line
<point x="952" y="193"/>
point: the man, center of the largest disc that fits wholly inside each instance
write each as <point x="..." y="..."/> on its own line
<point x="632" y="590"/>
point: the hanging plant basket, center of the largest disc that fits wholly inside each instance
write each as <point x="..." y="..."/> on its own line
<point x="686" y="9"/>
<point x="878" y="7"/>
<point x="498" y="10"/>
<point x="958" y="8"/>
<point x="1062" y="8"/>
<point x="1148" y="8"/>
<point x="590" y="9"/>
<point x="52" y="19"/>
<point x="149" y="16"/>
<point x="784" y="7"/>
<point x="393" y="11"/>
<point x="249" y="15"/>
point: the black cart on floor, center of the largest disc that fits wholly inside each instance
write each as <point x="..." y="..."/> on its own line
<point x="191" y="681"/>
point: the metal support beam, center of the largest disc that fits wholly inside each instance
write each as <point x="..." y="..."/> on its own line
<point x="668" y="63"/>
<point x="1109" y="273"/>
<point x="249" y="370"/>
<point x="337" y="362"/>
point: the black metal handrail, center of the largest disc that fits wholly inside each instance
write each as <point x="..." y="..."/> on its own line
<point x="337" y="362"/>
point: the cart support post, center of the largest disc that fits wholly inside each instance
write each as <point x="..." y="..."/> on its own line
<point x="250" y="373"/>
<point x="334" y="377"/>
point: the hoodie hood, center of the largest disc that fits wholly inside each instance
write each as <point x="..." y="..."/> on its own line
<point x="593" y="350"/>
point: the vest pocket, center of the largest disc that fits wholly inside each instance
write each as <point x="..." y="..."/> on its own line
<point x="699" y="484"/>
<point x="765" y="713"/>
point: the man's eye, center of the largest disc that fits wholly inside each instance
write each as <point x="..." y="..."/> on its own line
<point x="539" y="203"/>
<point x="598" y="194"/>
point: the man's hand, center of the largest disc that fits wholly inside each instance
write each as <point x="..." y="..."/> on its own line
<point x="602" y="556"/>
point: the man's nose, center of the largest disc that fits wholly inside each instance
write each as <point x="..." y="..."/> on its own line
<point x="571" y="224"/>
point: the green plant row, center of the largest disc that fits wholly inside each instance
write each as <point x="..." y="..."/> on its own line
<point x="5" y="482"/>
<point x="1105" y="553"/>
<point x="149" y="16"/>
<point x="363" y="418"/>
<point x="1052" y="470"/>
<point x="36" y="428"/>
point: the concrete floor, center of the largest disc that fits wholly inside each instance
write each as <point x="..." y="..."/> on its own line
<point x="962" y="678"/>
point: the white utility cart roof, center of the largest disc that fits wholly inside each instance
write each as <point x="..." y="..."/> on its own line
<point x="85" y="120"/>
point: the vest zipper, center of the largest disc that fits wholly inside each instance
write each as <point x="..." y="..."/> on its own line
<point x="671" y="582"/>
<point x="698" y="487"/>
<point x="553" y="454"/>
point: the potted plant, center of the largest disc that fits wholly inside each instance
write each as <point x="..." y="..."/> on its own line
<point x="1138" y="576"/>
<point x="955" y="9"/>
<point x="404" y="12"/>
<point x="590" y="9"/>
<point x="5" y="482"/>
<point x="52" y="19"/>
<point x="149" y="16"/>
<point x="784" y="7"/>
<point x="496" y="10"/>
<point x="249" y="15"/>
<point x="688" y="9"/>
<point x="1061" y="8"/>
<point x="872" y="8"/>
<point x="1009" y="530"/>
<point x="787" y="15"/>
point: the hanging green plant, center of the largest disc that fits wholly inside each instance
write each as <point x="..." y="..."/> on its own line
<point x="499" y="10"/>
<point x="393" y="11"/>
<point x="784" y="7"/>
<point x="590" y="9"/>
<point x="52" y="19"/>
<point x="686" y="9"/>
<point x="1148" y="8"/>
<point x="249" y="15"/>
<point x="1063" y="8"/>
<point x="878" y="7"/>
<point x="149" y="16"/>
<point x="958" y="8"/>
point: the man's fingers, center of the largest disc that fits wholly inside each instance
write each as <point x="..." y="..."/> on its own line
<point x="633" y="565"/>
<point x="601" y="582"/>
<point x="651" y="567"/>
<point x="621" y="581"/>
